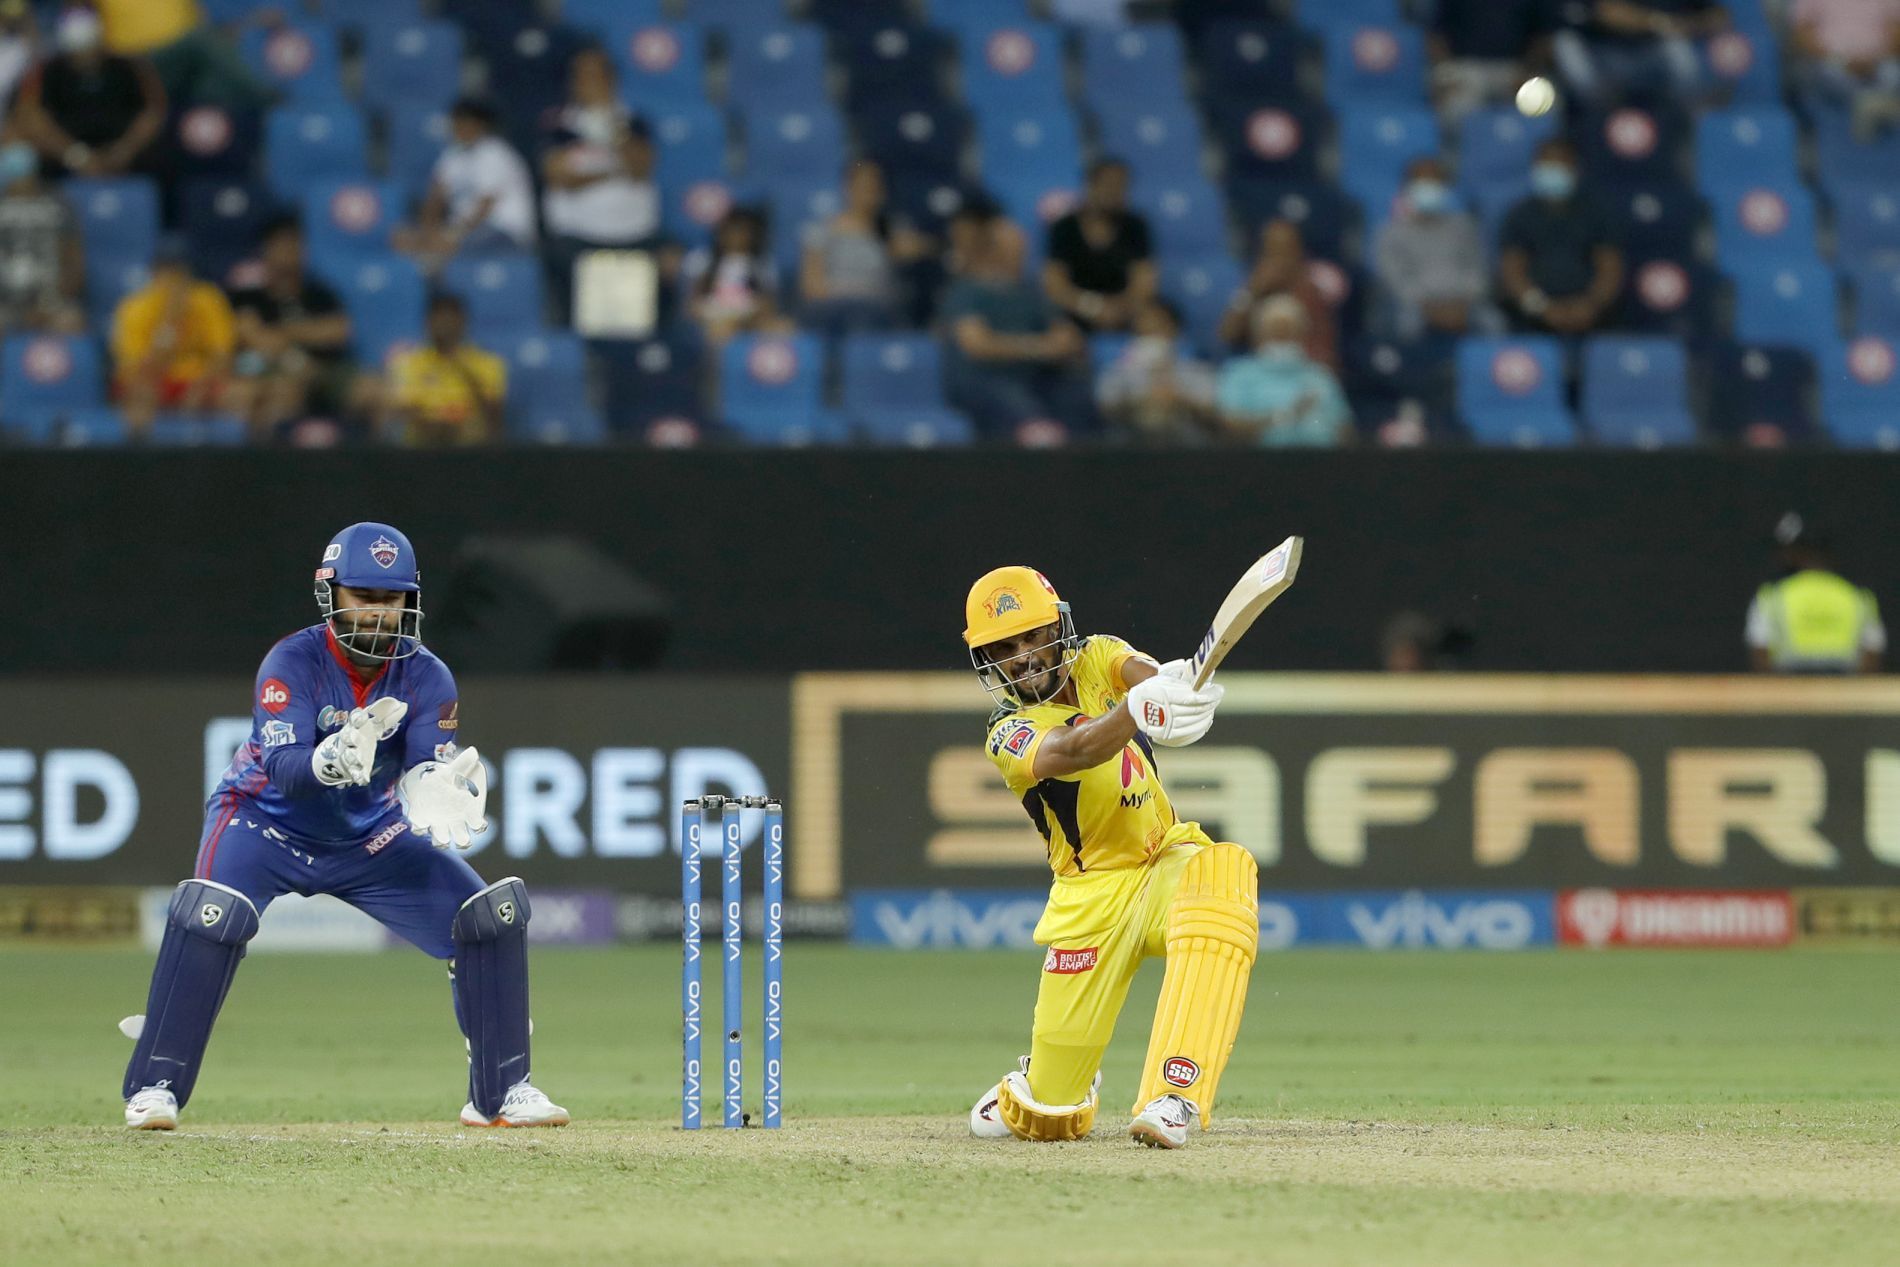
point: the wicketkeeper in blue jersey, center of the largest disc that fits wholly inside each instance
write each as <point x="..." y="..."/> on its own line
<point x="352" y="784"/>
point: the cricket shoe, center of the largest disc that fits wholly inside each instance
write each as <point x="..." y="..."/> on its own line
<point x="524" y="1105"/>
<point x="1164" y="1123"/>
<point x="152" y="1109"/>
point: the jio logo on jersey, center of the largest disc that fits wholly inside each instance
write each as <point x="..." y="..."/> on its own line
<point x="273" y="696"/>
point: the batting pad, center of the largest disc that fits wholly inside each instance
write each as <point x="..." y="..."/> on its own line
<point x="491" y="984"/>
<point x="205" y="932"/>
<point x="1213" y="938"/>
<point x="1042" y="1123"/>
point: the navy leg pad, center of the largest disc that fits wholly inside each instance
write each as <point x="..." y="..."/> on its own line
<point x="491" y="984"/>
<point x="205" y="933"/>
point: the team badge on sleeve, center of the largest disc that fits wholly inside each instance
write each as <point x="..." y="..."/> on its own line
<point x="1014" y="739"/>
<point x="278" y="733"/>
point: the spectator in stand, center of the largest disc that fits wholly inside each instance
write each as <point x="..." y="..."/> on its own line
<point x="1101" y="268"/>
<point x="481" y="195"/>
<point x="1281" y="269"/>
<point x="89" y="112"/>
<point x="1016" y="363"/>
<point x="172" y="343"/>
<point x="598" y="172"/>
<point x="1280" y="397"/>
<point x="1153" y="389"/>
<point x="1481" y="50"/>
<point x="1850" y="52"/>
<point x="732" y="286"/>
<point x="19" y="46"/>
<point x="1633" y="48"/>
<point x="1560" y="268"/>
<point x="42" y="283"/>
<point x="447" y="393"/>
<point x="196" y="63"/>
<point x="849" y="274"/>
<point x="1430" y="261"/>
<point x="292" y="335"/>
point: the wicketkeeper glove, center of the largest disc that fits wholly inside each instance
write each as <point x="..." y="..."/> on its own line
<point x="348" y="756"/>
<point x="446" y="799"/>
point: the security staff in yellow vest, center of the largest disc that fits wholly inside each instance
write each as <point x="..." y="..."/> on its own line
<point x="1812" y="620"/>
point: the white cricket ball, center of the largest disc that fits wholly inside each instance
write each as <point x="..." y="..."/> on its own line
<point x="1536" y="97"/>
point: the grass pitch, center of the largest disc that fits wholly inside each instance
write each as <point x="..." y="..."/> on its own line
<point x="1461" y="1109"/>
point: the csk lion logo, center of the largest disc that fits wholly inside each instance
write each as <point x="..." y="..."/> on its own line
<point x="1002" y="602"/>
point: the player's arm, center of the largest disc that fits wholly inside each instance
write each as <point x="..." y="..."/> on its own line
<point x="443" y="792"/>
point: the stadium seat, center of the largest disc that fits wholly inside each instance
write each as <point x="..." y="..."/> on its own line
<point x="923" y="139"/>
<point x="418" y="63"/>
<point x="770" y="386"/>
<point x="365" y="16"/>
<point x="1201" y="289"/>
<point x="1744" y="63"/>
<point x="1860" y="393"/>
<point x="611" y="22"/>
<point x="189" y="431"/>
<point x="1746" y="147"/>
<point x="1385" y="375"/>
<point x="1185" y="217"/>
<point x="1631" y="145"/>
<point x="503" y="294"/>
<point x="1250" y="63"/>
<point x="1019" y="148"/>
<point x="1159" y="143"/>
<point x="1762" y="224"/>
<point x="547" y="370"/>
<point x="1323" y="215"/>
<point x="109" y="279"/>
<point x="1671" y="295"/>
<point x="1636" y="392"/>
<point x="118" y="216"/>
<point x="928" y="201"/>
<point x="890" y="372"/>
<point x="1375" y="65"/>
<point x="1867" y="226"/>
<point x="1496" y="147"/>
<point x="981" y="16"/>
<point x="350" y="219"/>
<point x="527" y="74"/>
<point x="221" y="220"/>
<point x="1376" y="146"/>
<point x="1658" y="220"/>
<point x="1015" y="68"/>
<point x="1281" y="140"/>
<point x="94" y="426"/>
<point x="1760" y="394"/>
<point x="1511" y="392"/>
<point x="1149" y="55"/>
<point x="1321" y="15"/>
<point x="557" y="424"/>
<point x="662" y="66"/>
<point x="850" y="18"/>
<point x="306" y="143"/>
<point x="209" y="140"/>
<point x="916" y="428"/>
<point x="889" y="62"/>
<point x="301" y="60"/>
<point x="781" y="146"/>
<point x="733" y="16"/>
<point x="386" y="299"/>
<point x="651" y="380"/>
<point x="1877" y="300"/>
<point x="40" y="372"/>
<point x="417" y="135"/>
<point x="778" y="68"/>
<point x="1792" y="304"/>
<point x="794" y="203"/>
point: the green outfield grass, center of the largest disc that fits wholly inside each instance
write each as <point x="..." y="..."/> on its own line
<point x="1463" y="1109"/>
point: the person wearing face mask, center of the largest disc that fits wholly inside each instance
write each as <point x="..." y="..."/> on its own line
<point x="1429" y="259"/>
<point x="1153" y="389"/>
<point x="1560" y="268"/>
<point x="86" y="111"/>
<point x="42" y="263"/>
<point x="1279" y="397"/>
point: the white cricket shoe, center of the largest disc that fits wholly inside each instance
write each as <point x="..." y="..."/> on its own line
<point x="153" y="1109"/>
<point x="524" y="1105"/>
<point x="1164" y="1123"/>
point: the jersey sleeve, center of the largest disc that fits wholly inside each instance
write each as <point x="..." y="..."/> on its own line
<point x="1103" y="659"/>
<point x="434" y="721"/>
<point x="284" y="721"/>
<point x="1012" y="743"/>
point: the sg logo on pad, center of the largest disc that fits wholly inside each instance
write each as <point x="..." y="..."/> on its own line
<point x="211" y="914"/>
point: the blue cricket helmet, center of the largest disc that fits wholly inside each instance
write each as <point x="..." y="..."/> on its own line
<point x="373" y="556"/>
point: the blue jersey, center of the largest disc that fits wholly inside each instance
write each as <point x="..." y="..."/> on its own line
<point x="306" y="689"/>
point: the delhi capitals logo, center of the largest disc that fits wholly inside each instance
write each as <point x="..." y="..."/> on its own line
<point x="384" y="551"/>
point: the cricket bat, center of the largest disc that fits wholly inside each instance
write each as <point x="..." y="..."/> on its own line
<point x="1270" y="576"/>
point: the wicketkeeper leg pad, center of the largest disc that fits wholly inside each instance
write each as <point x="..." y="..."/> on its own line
<point x="1042" y="1123"/>
<point x="1213" y="937"/>
<point x="205" y="932"/>
<point x="491" y="987"/>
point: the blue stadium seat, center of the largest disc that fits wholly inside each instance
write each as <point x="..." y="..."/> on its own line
<point x="208" y="140"/>
<point x="118" y="216"/>
<point x="109" y="279"/>
<point x="890" y="371"/>
<point x="691" y="208"/>
<point x="367" y="16"/>
<point x="503" y="294"/>
<point x="1792" y="304"/>
<point x="1495" y="149"/>
<point x="1185" y="217"/>
<point x="1385" y="375"/>
<point x="694" y="185"/>
<point x="1760" y="224"/>
<point x="1161" y="143"/>
<point x="351" y="219"/>
<point x="1375" y="65"/>
<point x="777" y="68"/>
<point x="190" y="431"/>
<point x="651" y="380"/>
<point x="794" y="204"/>
<point x="733" y="16"/>
<point x="1761" y="394"/>
<point x="1281" y="140"/>
<point x="1632" y="145"/>
<point x="889" y="61"/>
<point x="916" y="427"/>
<point x="612" y="22"/>
<point x="1744" y="63"/>
<point x="1746" y="147"/>
<point x="545" y="368"/>
<point x="1877" y="300"/>
<point x="1376" y="146"/>
<point x="662" y="66"/>
<point x="1026" y="147"/>
<point x="770" y="389"/>
<point x="794" y="143"/>
<point x="1860" y="393"/>
<point x="301" y="60"/>
<point x="1511" y="392"/>
<point x="41" y="372"/>
<point x="557" y="424"/>
<point x="1867" y="227"/>
<point x="921" y="139"/>
<point x="1201" y="289"/>
<point x="386" y="299"/>
<point x="494" y="27"/>
<point x="928" y="201"/>
<point x="1248" y="63"/>
<point x="980" y="16"/>
<point x="850" y="18"/>
<point x="221" y="220"/>
<point x="1843" y="160"/>
<point x="1658" y="220"/>
<point x="1035" y="202"/>
<point x="306" y="143"/>
<point x="95" y="426"/>
<point x="1324" y="216"/>
<point x="418" y="62"/>
<point x="1323" y="15"/>
<point x="417" y="135"/>
<point x="1149" y="55"/>
<point x="1671" y="295"/>
<point x="527" y="74"/>
<point x="1015" y="68"/>
<point x="1636" y="392"/>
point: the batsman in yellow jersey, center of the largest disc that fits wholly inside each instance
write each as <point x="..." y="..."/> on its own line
<point x="1075" y="738"/>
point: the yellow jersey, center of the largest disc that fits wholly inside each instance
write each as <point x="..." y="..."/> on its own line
<point x="441" y="389"/>
<point x="1112" y="817"/>
<point x="195" y="328"/>
<point x="139" y="26"/>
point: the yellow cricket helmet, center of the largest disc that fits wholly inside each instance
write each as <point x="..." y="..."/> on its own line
<point x="1008" y="601"/>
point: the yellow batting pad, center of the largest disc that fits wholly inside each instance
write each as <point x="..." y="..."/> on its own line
<point x="1213" y="936"/>
<point x="1042" y="1123"/>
